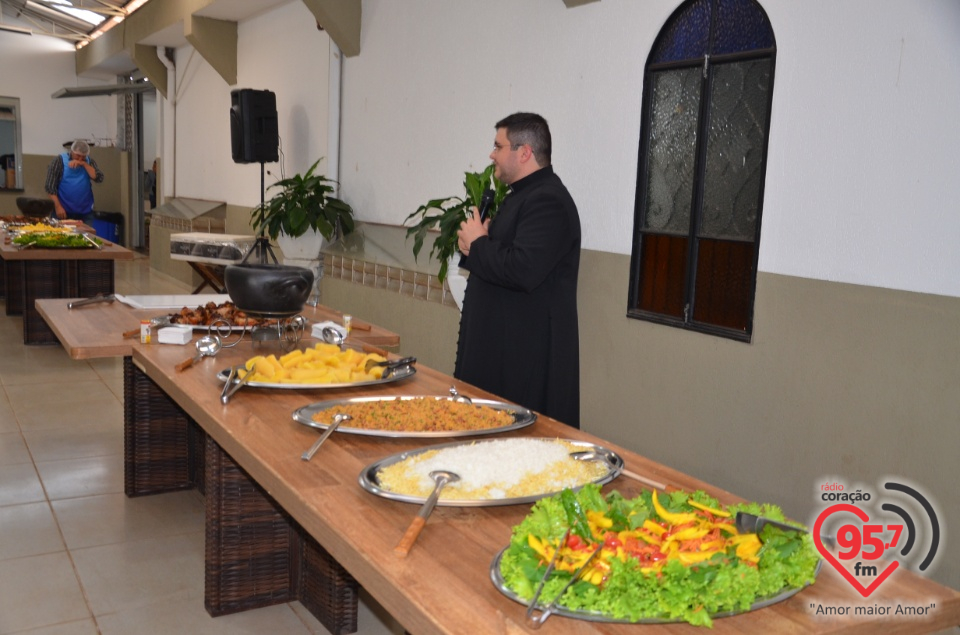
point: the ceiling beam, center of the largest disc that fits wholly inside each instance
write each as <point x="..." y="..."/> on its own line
<point x="216" y="41"/>
<point x="148" y="61"/>
<point x="577" y="3"/>
<point x="341" y="20"/>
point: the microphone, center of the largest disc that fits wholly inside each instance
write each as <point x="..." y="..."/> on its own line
<point x="485" y="202"/>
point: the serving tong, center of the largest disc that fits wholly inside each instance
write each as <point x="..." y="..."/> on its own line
<point x="535" y="620"/>
<point x="753" y="524"/>
<point x="333" y="336"/>
<point x="100" y="297"/>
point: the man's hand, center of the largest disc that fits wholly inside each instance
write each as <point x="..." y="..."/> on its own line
<point x="470" y="230"/>
<point x="58" y="207"/>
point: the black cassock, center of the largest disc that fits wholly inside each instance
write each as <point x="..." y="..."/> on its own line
<point x="518" y="328"/>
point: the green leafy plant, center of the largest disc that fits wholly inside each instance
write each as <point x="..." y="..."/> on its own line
<point x="446" y="214"/>
<point x="303" y="203"/>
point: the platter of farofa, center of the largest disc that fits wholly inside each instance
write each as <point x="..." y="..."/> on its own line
<point x="492" y="471"/>
<point x="416" y="416"/>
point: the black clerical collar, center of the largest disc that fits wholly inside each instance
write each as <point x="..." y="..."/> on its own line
<point x="532" y="178"/>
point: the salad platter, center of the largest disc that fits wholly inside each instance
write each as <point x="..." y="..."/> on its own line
<point x="58" y="238"/>
<point x="317" y="416"/>
<point x="503" y="455"/>
<point x="677" y="557"/>
<point x="496" y="576"/>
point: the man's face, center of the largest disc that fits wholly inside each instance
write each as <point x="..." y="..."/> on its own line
<point x="505" y="158"/>
<point x="76" y="156"/>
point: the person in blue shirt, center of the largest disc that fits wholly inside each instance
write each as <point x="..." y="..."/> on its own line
<point x="69" y="182"/>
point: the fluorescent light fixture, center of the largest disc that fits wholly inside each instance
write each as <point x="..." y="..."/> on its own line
<point x="15" y="29"/>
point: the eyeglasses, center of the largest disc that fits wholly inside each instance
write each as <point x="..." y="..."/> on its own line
<point x="513" y="146"/>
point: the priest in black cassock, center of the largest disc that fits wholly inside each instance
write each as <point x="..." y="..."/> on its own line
<point x="518" y="329"/>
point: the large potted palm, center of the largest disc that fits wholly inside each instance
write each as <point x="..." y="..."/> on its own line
<point x="302" y="213"/>
<point x="444" y="215"/>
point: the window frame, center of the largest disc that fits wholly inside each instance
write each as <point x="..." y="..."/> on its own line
<point x="708" y="63"/>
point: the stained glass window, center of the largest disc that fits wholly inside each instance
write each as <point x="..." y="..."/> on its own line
<point x="708" y="88"/>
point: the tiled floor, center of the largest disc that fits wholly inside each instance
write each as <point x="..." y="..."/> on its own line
<point x="77" y="557"/>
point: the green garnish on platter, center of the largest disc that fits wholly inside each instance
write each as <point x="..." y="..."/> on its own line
<point x="678" y="557"/>
<point x="56" y="240"/>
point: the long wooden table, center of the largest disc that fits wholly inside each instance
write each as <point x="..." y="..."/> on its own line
<point x="96" y="330"/>
<point x="32" y="274"/>
<point x="443" y="586"/>
<point x="255" y="555"/>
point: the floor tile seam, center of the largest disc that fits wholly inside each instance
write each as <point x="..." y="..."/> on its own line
<point x="186" y="531"/>
<point x="66" y="550"/>
<point x="75" y="405"/>
<point x="63" y="542"/>
<point x="137" y="542"/>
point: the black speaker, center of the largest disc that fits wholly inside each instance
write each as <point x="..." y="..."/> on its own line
<point x="254" y="135"/>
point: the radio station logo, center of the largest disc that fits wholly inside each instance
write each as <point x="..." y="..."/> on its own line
<point x="867" y="548"/>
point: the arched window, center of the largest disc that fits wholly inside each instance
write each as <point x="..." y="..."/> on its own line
<point x="708" y="88"/>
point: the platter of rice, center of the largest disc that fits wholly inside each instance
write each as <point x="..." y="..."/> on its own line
<point x="492" y="472"/>
<point x="416" y="416"/>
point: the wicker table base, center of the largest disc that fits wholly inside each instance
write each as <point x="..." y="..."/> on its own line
<point x="41" y="279"/>
<point x="256" y="555"/>
<point x="13" y="287"/>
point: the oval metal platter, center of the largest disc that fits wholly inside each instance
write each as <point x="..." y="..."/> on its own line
<point x="368" y="477"/>
<point x="592" y="616"/>
<point x="522" y="417"/>
<point x="404" y="372"/>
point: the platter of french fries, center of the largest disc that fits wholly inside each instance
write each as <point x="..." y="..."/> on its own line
<point x="320" y="366"/>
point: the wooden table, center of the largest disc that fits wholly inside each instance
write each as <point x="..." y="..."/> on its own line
<point x="255" y="555"/>
<point x="443" y="586"/>
<point x="95" y="330"/>
<point x="32" y="274"/>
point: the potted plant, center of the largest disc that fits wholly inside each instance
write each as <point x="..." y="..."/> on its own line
<point x="446" y="215"/>
<point x="304" y="205"/>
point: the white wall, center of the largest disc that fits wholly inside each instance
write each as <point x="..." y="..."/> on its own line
<point x="149" y="126"/>
<point x="860" y="184"/>
<point x="33" y="68"/>
<point x="281" y="51"/>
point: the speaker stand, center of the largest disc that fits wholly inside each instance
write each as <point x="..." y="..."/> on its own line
<point x="262" y="245"/>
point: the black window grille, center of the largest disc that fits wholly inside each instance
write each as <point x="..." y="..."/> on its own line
<point x="708" y="89"/>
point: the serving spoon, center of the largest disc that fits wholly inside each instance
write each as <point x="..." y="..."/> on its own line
<point x="207" y="346"/>
<point x="441" y="477"/>
<point x="592" y="455"/>
<point x="337" y="420"/>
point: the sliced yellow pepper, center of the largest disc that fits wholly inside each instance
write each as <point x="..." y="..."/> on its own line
<point x="716" y="512"/>
<point x="653" y="527"/>
<point x="670" y="517"/>
<point x="691" y="557"/>
<point x="748" y="547"/>
<point x="598" y="519"/>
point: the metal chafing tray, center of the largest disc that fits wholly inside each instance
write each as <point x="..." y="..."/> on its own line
<point x="522" y="417"/>
<point x="401" y="373"/>
<point x="369" y="481"/>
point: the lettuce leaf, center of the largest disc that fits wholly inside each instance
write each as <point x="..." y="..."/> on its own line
<point x="677" y="592"/>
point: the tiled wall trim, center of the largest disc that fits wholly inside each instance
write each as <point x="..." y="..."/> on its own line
<point x="416" y="284"/>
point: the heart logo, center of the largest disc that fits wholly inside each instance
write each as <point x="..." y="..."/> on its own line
<point x="829" y="557"/>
